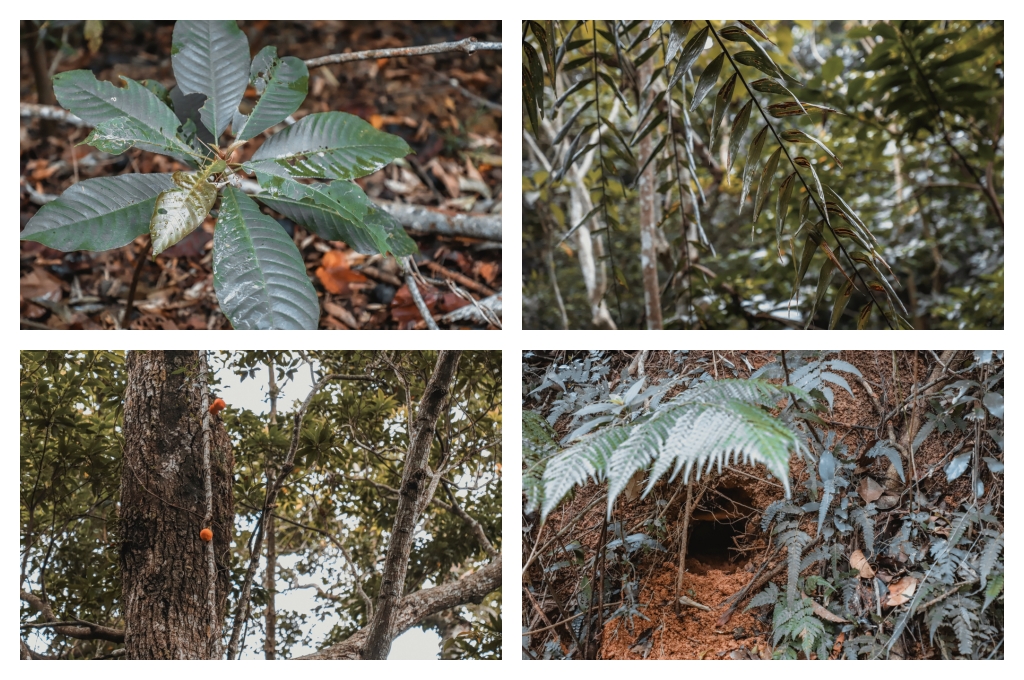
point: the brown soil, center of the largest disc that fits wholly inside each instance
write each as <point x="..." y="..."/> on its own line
<point x="726" y="545"/>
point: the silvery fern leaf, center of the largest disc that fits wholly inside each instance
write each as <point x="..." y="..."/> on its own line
<point x="586" y="459"/>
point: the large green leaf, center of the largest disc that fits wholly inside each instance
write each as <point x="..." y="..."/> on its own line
<point x="179" y="210"/>
<point x="331" y="145"/>
<point x="123" y="116"/>
<point x="842" y="299"/>
<point x="212" y="57"/>
<point x="282" y="85"/>
<point x="330" y="211"/>
<point x="258" y="273"/>
<point x="804" y="163"/>
<point x="98" y="214"/>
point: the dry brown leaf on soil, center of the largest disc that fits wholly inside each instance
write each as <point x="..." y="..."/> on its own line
<point x="870" y="490"/>
<point x="860" y="563"/>
<point x="901" y="591"/>
<point x="336" y="276"/>
<point x="823" y="613"/>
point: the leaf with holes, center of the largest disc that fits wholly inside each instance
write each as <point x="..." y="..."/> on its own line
<point x="98" y="214"/>
<point x="258" y="272"/>
<point x="123" y="116"/>
<point x="338" y="211"/>
<point x="179" y="210"/>
<point x="212" y="58"/>
<point x="281" y="84"/>
<point x="330" y="145"/>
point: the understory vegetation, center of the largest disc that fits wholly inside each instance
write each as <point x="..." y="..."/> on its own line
<point x="781" y="174"/>
<point x="824" y="505"/>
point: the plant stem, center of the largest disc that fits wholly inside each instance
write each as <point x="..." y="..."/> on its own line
<point x="141" y="260"/>
<point x="821" y="208"/>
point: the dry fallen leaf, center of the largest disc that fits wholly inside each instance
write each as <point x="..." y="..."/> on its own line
<point x="335" y="275"/>
<point x="634" y="486"/>
<point x="860" y="563"/>
<point x="823" y="613"/>
<point x="901" y="591"/>
<point x="870" y="490"/>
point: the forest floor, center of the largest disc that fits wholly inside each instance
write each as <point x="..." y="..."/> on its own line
<point x="445" y="106"/>
<point x="727" y="548"/>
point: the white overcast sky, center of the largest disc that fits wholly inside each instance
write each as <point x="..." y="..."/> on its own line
<point x="252" y="394"/>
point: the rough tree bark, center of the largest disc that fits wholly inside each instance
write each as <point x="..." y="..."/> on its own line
<point x="270" y="575"/>
<point x="163" y="558"/>
<point x="415" y="486"/>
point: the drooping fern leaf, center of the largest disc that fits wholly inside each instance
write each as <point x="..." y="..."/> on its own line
<point x="989" y="555"/>
<point x="794" y="540"/>
<point x="767" y="596"/>
<point x="863" y="518"/>
<point x="707" y="425"/>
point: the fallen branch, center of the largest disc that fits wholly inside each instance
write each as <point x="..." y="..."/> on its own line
<point x="47" y="112"/>
<point x="444" y="222"/>
<point x="472" y="314"/>
<point x="467" y="45"/>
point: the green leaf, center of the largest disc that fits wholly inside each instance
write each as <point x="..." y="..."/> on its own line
<point x="572" y="119"/>
<point x="842" y="299"/>
<point x="799" y="136"/>
<point x="761" y="63"/>
<point x="330" y="145"/>
<point x="529" y="100"/>
<point x="179" y="210"/>
<point x="690" y="54"/>
<point x="810" y="246"/>
<point x="753" y="157"/>
<point x="546" y="47"/>
<point x="765" y="185"/>
<point x="721" y="106"/>
<point x="832" y="67"/>
<point x="258" y="273"/>
<point x="331" y="212"/>
<point x="123" y="116"/>
<point x="782" y="208"/>
<point x="707" y="80"/>
<point x="654" y="154"/>
<point x="98" y="214"/>
<point x="739" y="126"/>
<point x="804" y="163"/>
<point x="824" y="279"/>
<point x="862" y="319"/>
<point x="282" y="86"/>
<point x="580" y="84"/>
<point x="796" y="108"/>
<point x="676" y="38"/>
<point x="537" y="75"/>
<point x="211" y="57"/>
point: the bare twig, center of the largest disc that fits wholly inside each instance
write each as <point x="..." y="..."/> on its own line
<point x="458" y="278"/>
<point x="467" y="45"/>
<point x="417" y="298"/>
<point x="487" y="310"/>
<point x="48" y="112"/>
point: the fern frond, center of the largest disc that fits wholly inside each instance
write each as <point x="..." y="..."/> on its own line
<point x="769" y="513"/>
<point x="863" y="517"/>
<point x="827" y="494"/>
<point x="538" y="445"/>
<point x="814" y="557"/>
<point x="989" y="555"/>
<point x="961" y="524"/>
<point x="962" y="627"/>
<point x="588" y="458"/>
<point x="995" y="587"/>
<point x="794" y="540"/>
<point x="769" y="595"/>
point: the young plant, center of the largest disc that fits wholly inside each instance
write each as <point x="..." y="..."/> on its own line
<point x="258" y="273"/>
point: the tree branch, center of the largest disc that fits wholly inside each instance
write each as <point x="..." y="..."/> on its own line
<point x="467" y="45"/>
<point x="415" y="607"/>
<point x="82" y="630"/>
<point x="242" y="605"/>
<point x="415" y="476"/>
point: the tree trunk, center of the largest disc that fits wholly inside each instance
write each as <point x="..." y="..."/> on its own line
<point x="270" y="576"/>
<point x="416" y="478"/>
<point x="648" y="219"/>
<point x="163" y="501"/>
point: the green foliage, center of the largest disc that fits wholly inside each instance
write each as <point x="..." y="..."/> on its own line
<point x="910" y="218"/>
<point x="345" y="486"/>
<point x="212" y="66"/>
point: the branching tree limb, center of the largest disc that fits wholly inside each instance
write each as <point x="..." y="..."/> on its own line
<point x="415" y="607"/>
<point x="82" y="630"/>
<point x="415" y="476"/>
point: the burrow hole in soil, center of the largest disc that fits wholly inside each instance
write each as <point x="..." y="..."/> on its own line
<point x="715" y="529"/>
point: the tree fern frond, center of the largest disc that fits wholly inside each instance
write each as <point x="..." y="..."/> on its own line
<point x="538" y="445"/>
<point x="588" y="458"/>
